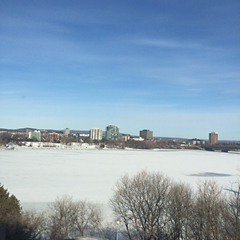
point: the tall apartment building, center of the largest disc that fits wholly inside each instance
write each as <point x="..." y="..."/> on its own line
<point x="213" y="138"/>
<point x="95" y="134"/>
<point x="66" y="132"/>
<point x="112" y="132"/>
<point x="146" y="134"/>
<point x="35" y="135"/>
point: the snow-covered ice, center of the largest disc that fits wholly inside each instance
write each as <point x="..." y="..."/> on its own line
<point x="38" y="176"/>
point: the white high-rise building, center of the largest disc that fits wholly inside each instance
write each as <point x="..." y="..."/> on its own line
<point x="95" y="134"/>
<point x="66" y="132"/>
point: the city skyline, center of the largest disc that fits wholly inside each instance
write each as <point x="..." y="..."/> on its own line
<point x="172" y="67"/>
<point x="98" y="134"/>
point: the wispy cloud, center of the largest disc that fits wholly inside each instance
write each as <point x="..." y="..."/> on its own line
<point x="166" y="43"/>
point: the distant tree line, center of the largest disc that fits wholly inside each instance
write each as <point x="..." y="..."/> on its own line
<point x="5" y="138"/>
<point x="149" y="206"/>
<point x="151" y="144"/>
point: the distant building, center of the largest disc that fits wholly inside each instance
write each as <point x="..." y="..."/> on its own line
<point x="138" y="139"/>
<point x="35" y="135"/>
<point x="66" y="132"/>
<point x="196" y="141"/>
<point x="112" y="132"/>
<point x="126" y="137"/>
<point x="43" y="131"/>
<point x="83" y="135"/>
<point x="54" y="135"/>
<point x="213" y="138"/>
<point x="95" y="134"/>
<point x="146" y="134"/>
<point x="51" y="137"/>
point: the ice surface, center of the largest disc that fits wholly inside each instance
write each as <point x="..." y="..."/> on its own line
<point x="37" y="176"/>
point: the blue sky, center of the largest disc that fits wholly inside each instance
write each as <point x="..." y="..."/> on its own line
<point x="169" y="66"/>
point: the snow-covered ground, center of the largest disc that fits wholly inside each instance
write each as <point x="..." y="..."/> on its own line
<point x="38" y="176"/>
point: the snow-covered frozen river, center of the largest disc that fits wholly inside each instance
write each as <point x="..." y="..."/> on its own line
<point x="38" y="176"/>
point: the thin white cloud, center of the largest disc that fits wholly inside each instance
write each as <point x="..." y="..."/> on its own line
<point x="166" y="43"/>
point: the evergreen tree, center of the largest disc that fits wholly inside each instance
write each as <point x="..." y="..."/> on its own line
<point x="19" y="225"/>
<point x="9" y="204"/>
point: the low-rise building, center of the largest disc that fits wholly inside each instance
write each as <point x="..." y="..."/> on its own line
<point x="137" y="139"/>
<point x="126" y="137"/>
<point x="35" y="135"/>
<point x="83" y="135"/>
<point x="196" y="141"/>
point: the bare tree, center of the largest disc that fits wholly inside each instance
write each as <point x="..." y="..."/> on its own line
<point x="87" y="215"/>
<point x="60" y="218"/>
<point x="68" y="218"/>
<point x="34" y="223"/>
<point x="179" y="207"/>
<point x="109" y="232"/>
<point x="140" y="203"/>
<point x="207" y="212"/>
<point x="232" y="214"/>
